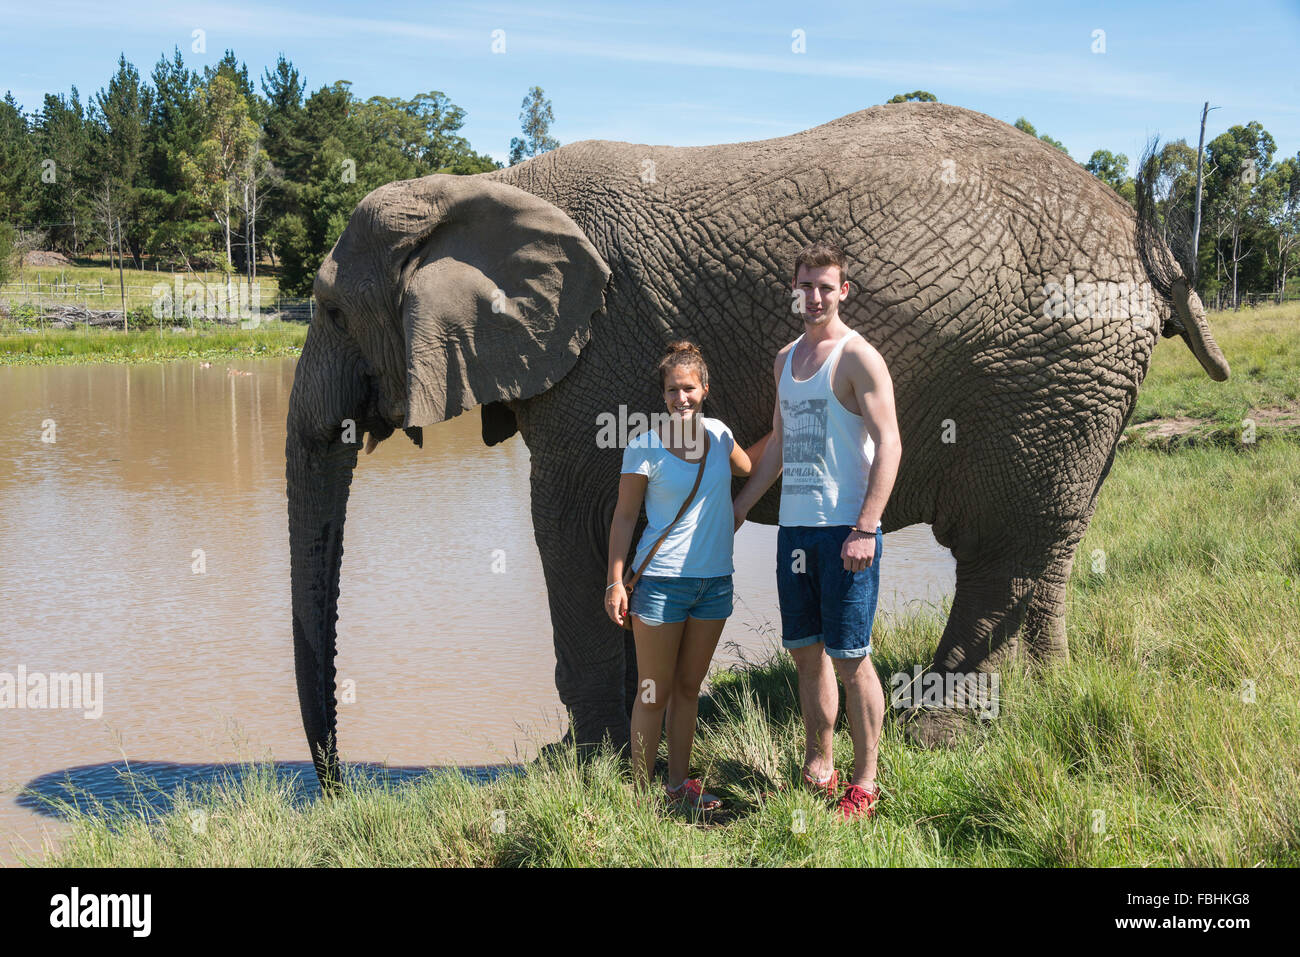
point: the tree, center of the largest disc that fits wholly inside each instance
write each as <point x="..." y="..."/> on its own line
<point x="535" y="118"/>
<point x="1025" y="126"/>
<point x="322" y="155"/>
<point x="117" y="137"/>
<point x="1280" y="202"/>
<point x="169" y="211"/>
<point x="18" y="168"/>
<point x="1175" y="194"/>
<point x="920" y="96"/>
<point x="256" y="178"/>
<point x="61" y="134"/>
<point x="216" y="167"/>
<point x="287" y="149"/>
<point x="1239" y="157"/>
<point x="6" y="252"/>
<point x="1108" y="167"/>
<point x="237" y="73"/>
<point x="1112" y="169"/>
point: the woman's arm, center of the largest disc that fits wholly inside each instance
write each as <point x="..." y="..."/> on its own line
<point x="631" y="493"/>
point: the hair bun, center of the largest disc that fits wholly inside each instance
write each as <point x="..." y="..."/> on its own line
<point x="683" y="354"/>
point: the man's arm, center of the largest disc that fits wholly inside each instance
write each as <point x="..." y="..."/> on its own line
<point x="768" y="465"/>
<point x="751" y="455"/>
<point x="874" y="390"/>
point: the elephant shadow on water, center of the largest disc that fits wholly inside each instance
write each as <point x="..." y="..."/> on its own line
<point x="149" y="789"/>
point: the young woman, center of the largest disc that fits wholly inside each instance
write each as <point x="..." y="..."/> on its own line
<point x="683" y="597"/>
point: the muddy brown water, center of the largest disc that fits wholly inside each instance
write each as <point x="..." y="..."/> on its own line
<point x="148" y="544"/>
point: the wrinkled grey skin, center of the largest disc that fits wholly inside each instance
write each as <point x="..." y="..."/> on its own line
<point x="954" y="224"/>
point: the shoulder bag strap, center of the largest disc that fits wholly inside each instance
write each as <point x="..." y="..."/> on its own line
<point x="680" y="512"/>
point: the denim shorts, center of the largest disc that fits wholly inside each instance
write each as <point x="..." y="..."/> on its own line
<point x="660" y="601"/>
<point x="820" y="601"/>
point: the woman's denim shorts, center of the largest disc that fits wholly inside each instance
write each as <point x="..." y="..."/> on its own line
<point x="660" y="601"/>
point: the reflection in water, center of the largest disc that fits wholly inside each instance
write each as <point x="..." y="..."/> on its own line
<point x="149" y="544"/>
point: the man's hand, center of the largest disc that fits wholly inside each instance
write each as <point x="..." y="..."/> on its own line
<point x="858" y="551"/>
<point x="739" y="513"/>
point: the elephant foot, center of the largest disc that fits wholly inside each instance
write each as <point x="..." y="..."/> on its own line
<point x="933" y="728"/>
<point x="560" y="750"/>
<point x="590" y="738"/>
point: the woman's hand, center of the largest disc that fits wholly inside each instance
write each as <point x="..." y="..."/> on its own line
<point x="616" y="603"/>
<point x="631" y="493"/>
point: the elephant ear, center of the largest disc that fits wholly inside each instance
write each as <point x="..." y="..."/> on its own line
<point x="497" y="295"/>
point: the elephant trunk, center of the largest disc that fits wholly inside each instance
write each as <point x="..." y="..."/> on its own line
<point x="318" y="485"/>
<point x="319" y="467"/>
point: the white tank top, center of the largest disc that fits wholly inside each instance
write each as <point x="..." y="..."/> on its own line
<point x="826" y="449"/>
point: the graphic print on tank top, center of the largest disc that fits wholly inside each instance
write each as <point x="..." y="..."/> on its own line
<point x="804" y="448"/>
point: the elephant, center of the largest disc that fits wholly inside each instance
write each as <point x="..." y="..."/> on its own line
<point x="984" y="265"/>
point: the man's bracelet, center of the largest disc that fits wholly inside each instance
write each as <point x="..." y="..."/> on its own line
<point x="863" y="531"/>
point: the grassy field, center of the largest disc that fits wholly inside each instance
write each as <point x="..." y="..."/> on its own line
<point x="1261" y="345"/>
<point x="95" y="284"/>
<point x="71" y="346"/>
<point x="1169" y="739"/>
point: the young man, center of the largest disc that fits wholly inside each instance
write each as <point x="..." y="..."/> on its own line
<point x="835" y="436"/>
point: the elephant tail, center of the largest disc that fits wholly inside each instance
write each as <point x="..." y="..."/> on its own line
<point x="1168" y="275"/>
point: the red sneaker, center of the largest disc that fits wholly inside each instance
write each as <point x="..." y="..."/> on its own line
<point x="690" y="794"/>
<point x="858" y="802"/>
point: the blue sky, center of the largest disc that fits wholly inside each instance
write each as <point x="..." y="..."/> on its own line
<point x="695" y="73"/>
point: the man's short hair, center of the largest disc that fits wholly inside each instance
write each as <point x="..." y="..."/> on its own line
<point x="821" y="254"/>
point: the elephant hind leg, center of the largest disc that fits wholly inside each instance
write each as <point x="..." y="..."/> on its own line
<point x="992" y="602"/>
<point x="1044" y="629"/>
<point x="989" y="607"/>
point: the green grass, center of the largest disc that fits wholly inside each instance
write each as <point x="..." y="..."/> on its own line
<point x="1168" y="739"/>
<point x="70" y="346"/>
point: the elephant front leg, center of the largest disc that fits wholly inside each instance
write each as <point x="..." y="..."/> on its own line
<point x="591" y="652"/>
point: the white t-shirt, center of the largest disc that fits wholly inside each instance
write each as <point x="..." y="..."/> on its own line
<point x="700" y="544"/>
